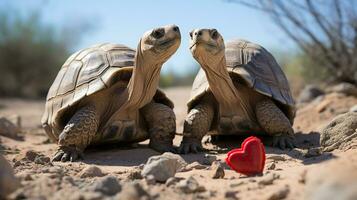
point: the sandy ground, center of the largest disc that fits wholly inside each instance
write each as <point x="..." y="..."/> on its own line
<point x="290" y="165"/>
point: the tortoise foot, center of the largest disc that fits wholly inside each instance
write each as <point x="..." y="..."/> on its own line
<point x="190" y="146"/>
<point x="65" y="154"/>
<point x="284" y="142"/>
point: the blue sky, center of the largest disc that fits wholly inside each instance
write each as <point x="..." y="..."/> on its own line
<point x="125" y="21"/>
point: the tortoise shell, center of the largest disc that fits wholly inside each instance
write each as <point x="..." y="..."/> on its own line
<point x="257" y="68"/>
<point x="86" y="72"/>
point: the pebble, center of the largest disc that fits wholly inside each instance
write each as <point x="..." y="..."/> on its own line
<point x="217" y="170"/>
<point x="194" y="165"/>
<point x="31" y="155"/>
<point x="107" y="185"/>
<point x="190" y="185"/>
<point x="135" y="174"/>
<point x="271" y="166"/>
<point x="276" y="158"/>
<point x="209" y="159"/>
<point x="231" y="195"/>
<point x="268" y="179"/>
<point x="132" y="191"/>
<point x="172" y="181"/>
<point x="164" y="166"/>
<point x="8" y="182"/>
<point x="42" y="160"/>
<point x="280" y="193"/>
<point x="91" y="171"/>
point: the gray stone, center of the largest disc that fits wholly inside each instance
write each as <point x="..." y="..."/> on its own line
<point x="8" y="129"/>
<point x="163" y="166"/>
<point x="91" y="171"/>
<point x="340" y="133"/>
<point x="309" y="93"/>
<point x="190" y="185"/>
<point x="107" y="185"/>
<point x="217" y="170"/>
<point x="8" y="182"/>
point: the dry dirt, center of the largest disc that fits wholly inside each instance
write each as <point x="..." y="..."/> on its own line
<point x="55" y="180"/>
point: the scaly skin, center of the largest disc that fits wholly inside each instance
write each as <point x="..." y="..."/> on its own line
<point x="197" y="124"/>
<point x="77" y="134"/>
<point x="275" y="123"/>
<point x="161" y="122"/>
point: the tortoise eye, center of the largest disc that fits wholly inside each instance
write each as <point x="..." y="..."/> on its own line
<point x="214" y="34"/>
<point x="158" y="33"/>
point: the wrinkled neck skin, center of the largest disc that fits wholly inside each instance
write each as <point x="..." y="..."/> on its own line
<point x="141" y="87"/>
<point x="223" y="88"/>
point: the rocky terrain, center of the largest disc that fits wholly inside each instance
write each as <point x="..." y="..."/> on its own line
<point x="322" y="166"/>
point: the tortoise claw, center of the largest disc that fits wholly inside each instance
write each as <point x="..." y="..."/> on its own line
<point x="284" y="142"/>
<point x="65" y="154"/>
<point x="190" y="146"/>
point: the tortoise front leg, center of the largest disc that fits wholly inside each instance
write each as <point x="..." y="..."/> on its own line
<point x="77" y="134"/>
<point x="275" y="123"/>
<point x="196" y="125"/>
<point x="161" y="122"/>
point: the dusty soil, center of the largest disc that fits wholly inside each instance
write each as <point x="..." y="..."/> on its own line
<point x="55" y="180"/>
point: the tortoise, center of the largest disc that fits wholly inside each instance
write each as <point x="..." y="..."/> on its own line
<point x="109" y="93"/>
<point x="239" y="89"/>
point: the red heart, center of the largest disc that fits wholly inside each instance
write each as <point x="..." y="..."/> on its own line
<point x="249" y="159"/>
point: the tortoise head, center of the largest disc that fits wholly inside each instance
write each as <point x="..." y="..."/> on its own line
<point x="160" y="43"/>
<point x="207" y="45"/>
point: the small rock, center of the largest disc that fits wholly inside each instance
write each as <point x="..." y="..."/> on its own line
<point x="268" y="179"/>
<point x="8" y="182"/>
<point x="8" y="129"/>
<point x="190" y="185"/>
<point x="232" y="185"/>
<point x="135" y="174"/>
<point x="309" y="93"/>
<point x="209" y="159"/>
<point x="280" y="193"/>
<point x="150" y="179"/>
<point x="231" y="195"/>
<point x="172" y="181"/>
<point x="217" y="170"/>
<point x="31" y="155"/>
<point x="194" y="165"/>
<point x="42" y="160"/>
<point x="91" y="171"/>
<point x="132" y="191"/>
<point x="163" y="166"/>
<point x="340" y="133"/>
<point x="107" y="185"/>
<point x="312" y="152"/>
<point x="353" y="108"/>
<point x="24" y="175"/>
<point x="276" y="158"/>
<point x="270" y="166"/>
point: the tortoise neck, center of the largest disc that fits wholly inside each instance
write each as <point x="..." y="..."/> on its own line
<point x="142" y="85"/>
<point x="221" y="84"/>
<point x="223" y="88"/>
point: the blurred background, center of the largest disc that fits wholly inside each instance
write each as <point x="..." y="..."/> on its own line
<point x="313" y="40"/>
